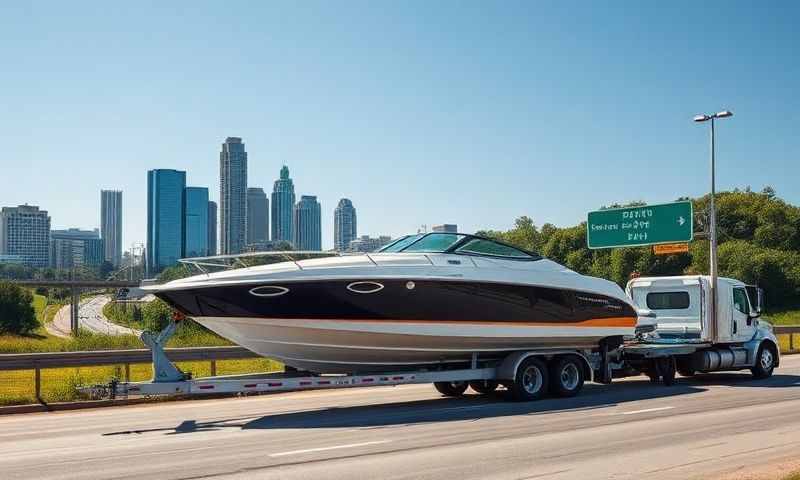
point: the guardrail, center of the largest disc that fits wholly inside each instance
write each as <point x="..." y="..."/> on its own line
<point x="788" y="330"/>
<point x="38" y="361"/>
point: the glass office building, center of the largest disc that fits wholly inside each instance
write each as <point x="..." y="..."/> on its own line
<point x="257" y="216"/>
<point x="344" y="225"/>
<point x="282" y="205"/>
<point x="111" y="225"/>
<point x="308" y="224"/>
<point x="232" y="196"/>
<point x="195" y="236"/>
<point x="165" y="218"/>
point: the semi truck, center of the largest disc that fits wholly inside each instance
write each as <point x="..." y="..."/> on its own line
<point x="678" y="331"/>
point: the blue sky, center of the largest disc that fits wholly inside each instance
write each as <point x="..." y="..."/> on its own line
<point x="421" y="112"/>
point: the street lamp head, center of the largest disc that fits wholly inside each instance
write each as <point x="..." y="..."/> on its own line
<point x="724" y="113"/>
<point x="701" y="118"/>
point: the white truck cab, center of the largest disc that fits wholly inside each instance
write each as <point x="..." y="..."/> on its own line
<point x="680" y="307"/>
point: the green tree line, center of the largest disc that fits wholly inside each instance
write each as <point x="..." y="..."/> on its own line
<point x="758" y="234"/>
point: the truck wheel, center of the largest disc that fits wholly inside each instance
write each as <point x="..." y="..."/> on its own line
<point x="484" y="387"/>
<point x="765" y="362"/>
<point x="451" y="389"/>
<point x="665" y="368"/>
<point x="530" y="380"/>
<point x="684" y="367"/>
<point x="566" y="376"/>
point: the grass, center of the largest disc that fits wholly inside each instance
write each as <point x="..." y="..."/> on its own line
<point x="59" y="385"/>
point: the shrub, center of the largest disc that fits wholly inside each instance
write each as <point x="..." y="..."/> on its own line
<point x="17" y="314"/>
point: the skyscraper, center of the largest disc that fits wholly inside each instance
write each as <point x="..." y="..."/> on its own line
<point x="344" y="225"/>
<point x="232" y="196"/>
<point x="25" y="235"/>
<point x="308" y="224"/>
<point x="165" y="218"/>
<point x="111" y="225"/>
<point x="282" y="207"/>
<point x="445" y="228"/>
<point x="212" y="228"/>
<point x="195" y="214"/>
<point x="257" y="216"/>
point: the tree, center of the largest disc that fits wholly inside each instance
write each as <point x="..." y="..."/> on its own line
<point x="16" y="310"/>
<point x="105" y="269"/>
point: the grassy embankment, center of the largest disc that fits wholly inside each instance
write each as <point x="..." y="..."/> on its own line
<point x="16" y="387"/>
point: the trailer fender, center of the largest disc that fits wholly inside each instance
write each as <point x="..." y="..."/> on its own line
<point x="508" y="368"/>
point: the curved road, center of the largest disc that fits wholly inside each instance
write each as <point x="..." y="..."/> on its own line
<point x="90" y="317"/>
<point x="696" y="429"/>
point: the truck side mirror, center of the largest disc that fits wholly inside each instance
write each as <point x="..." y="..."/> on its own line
<point x="759" y="307"/>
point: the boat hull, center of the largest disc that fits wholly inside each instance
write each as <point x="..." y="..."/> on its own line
<point x="346" y="346"/>
<point x="333" y="326"/>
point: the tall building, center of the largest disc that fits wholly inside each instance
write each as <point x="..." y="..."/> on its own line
<point x="195" y="214"/>
<point x="344" y="225"/>
<point x="445" y="228"/>
<point x="282" y="207"/>
<point x="25" y="235"/>
<point x="111" y="225"/>
<point x="165" y="218"/>
<point x="212" y="228"/>
<point x="232" y="196"/>
<point x="257" y="216"/>
<point x="308" y="224"/>
<point x="366" y="244"/>
<point x="76" y="248"/>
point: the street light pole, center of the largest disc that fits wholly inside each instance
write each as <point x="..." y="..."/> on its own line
<point x="713" y="333"/>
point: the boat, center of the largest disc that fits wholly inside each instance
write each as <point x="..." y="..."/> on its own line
<point x="428" y="299"/>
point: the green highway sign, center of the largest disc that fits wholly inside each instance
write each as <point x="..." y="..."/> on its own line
<point x="638" y="226"/>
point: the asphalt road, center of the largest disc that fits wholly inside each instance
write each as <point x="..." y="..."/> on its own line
<point x="90" y="317"/>
<point x="630" y="429"/>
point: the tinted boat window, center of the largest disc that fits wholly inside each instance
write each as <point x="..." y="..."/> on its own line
<point x="487" y="247"/>
<point x="667" y="300"/>
<point x="435" y="242"/>
<point x="400" y="244"/>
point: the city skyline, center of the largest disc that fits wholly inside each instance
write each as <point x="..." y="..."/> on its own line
<point x="257" y="216"/>
<point x="165" y="218"/>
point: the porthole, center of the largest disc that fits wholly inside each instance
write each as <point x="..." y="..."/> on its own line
<point x="269" y="291"/>
<point x="365" y="287"/>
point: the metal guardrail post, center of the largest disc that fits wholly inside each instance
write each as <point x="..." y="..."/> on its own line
<point x="37" y="384"/>
<point x="791" y="342"/>
<point x="213" y="368"/>
<point x="127" y="372"/>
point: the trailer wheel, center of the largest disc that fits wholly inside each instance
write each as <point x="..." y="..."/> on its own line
<point x="451" y="389"/>
<point x="765" y="362"/>
<point x="484" y="387"/>
<point x="566" y="376"/>
<point x="530" y="380"/>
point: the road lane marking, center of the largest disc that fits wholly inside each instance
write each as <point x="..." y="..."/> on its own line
<point x="646" y="410"/>
<point x="324" y="449"/>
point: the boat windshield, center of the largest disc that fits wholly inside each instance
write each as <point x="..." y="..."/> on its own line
<point x="440" y="242"/>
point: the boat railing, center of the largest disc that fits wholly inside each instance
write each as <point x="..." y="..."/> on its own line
<point x="240" y="260"/>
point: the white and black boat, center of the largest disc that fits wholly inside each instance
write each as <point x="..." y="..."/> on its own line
<point x="425" y="299"/>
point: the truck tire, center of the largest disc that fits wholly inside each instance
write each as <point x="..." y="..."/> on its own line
<point x="684" y="367"/>
<point x="665" y="368"/>
<point x="765" y="362"/>
<point x="566" y="376"/>
<point x="484" y="387"/>
<point x="451" y="389"/>
<point x="530" y="380"/>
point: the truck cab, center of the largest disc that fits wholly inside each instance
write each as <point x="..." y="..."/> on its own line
<point x="680" y="307"/>
<point x="678" y="310"/>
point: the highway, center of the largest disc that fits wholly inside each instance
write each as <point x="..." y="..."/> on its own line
<point x="631" y="429"/>
<point x="90" y="317"/>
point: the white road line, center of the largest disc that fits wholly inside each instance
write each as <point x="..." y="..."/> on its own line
<point x="646" y="410"/>
<point x="323" y="449"/>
